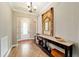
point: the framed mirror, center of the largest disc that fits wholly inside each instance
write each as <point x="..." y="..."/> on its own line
<point x="47" y="22"/>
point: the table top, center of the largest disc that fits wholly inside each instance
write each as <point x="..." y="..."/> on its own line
<point x="66" y="43"/>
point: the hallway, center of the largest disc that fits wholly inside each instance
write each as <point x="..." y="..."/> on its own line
<point x="27" y="49"/>
<point x="42" y="21"/>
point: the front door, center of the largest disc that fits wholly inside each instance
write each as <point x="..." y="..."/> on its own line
<point x="25" y="28"/>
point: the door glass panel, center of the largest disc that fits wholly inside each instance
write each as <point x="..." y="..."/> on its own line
<point x="24" y="28"/>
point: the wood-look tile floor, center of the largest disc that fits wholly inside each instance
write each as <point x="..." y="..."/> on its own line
<point x="27" y="49"/>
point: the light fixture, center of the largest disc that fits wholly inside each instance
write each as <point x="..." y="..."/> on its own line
<point x="30" y="7"/>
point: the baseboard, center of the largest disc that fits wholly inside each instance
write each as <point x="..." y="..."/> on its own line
<point x="28" y="39"/>
<point x="10" y="50"/>
<point x="14" y="45"/>
<point x="31" y="38"/>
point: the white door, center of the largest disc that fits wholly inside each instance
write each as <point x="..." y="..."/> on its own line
<point x="25" y="28"/>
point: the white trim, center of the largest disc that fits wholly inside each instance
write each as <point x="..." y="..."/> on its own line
<point x="27" y="39"/>
<point x="8" y="52"/>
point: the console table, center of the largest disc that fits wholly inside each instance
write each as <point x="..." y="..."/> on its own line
<point x="67" y="45"/>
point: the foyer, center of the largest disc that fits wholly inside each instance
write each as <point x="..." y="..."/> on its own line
<point x="39" y="29"/>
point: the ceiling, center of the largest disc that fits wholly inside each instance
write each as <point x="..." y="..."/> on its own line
<point x="21" y="6"/>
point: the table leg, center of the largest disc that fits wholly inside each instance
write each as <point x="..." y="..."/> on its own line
<point x="66" y="52"/>
<point x="46" y="44"/>
<point x="70" y="52"/>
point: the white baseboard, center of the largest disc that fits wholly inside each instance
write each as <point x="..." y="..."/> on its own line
<point x="25" y="39"/>
<point x="10" y="50"/>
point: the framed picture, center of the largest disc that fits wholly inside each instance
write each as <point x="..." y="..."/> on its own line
<point x="48" y="22"/>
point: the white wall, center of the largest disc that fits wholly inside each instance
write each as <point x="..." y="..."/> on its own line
<point x="66" y="17"/>
<point x="5" y="23"/>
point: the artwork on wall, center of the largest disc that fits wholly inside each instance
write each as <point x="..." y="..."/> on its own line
<point x="48" y="22"/>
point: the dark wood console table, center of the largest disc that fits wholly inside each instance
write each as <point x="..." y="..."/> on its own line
<point x="67" y="45"/>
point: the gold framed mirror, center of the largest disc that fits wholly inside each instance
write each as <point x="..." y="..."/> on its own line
<point x="47" y="22"/>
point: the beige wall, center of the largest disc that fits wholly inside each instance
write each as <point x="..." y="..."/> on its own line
<point x="5" y="23"/>
<point x="66" y="17"/>
<point x="16" y="21"/>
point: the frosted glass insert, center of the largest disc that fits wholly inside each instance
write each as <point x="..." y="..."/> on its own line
<point x="25" y="28"/>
